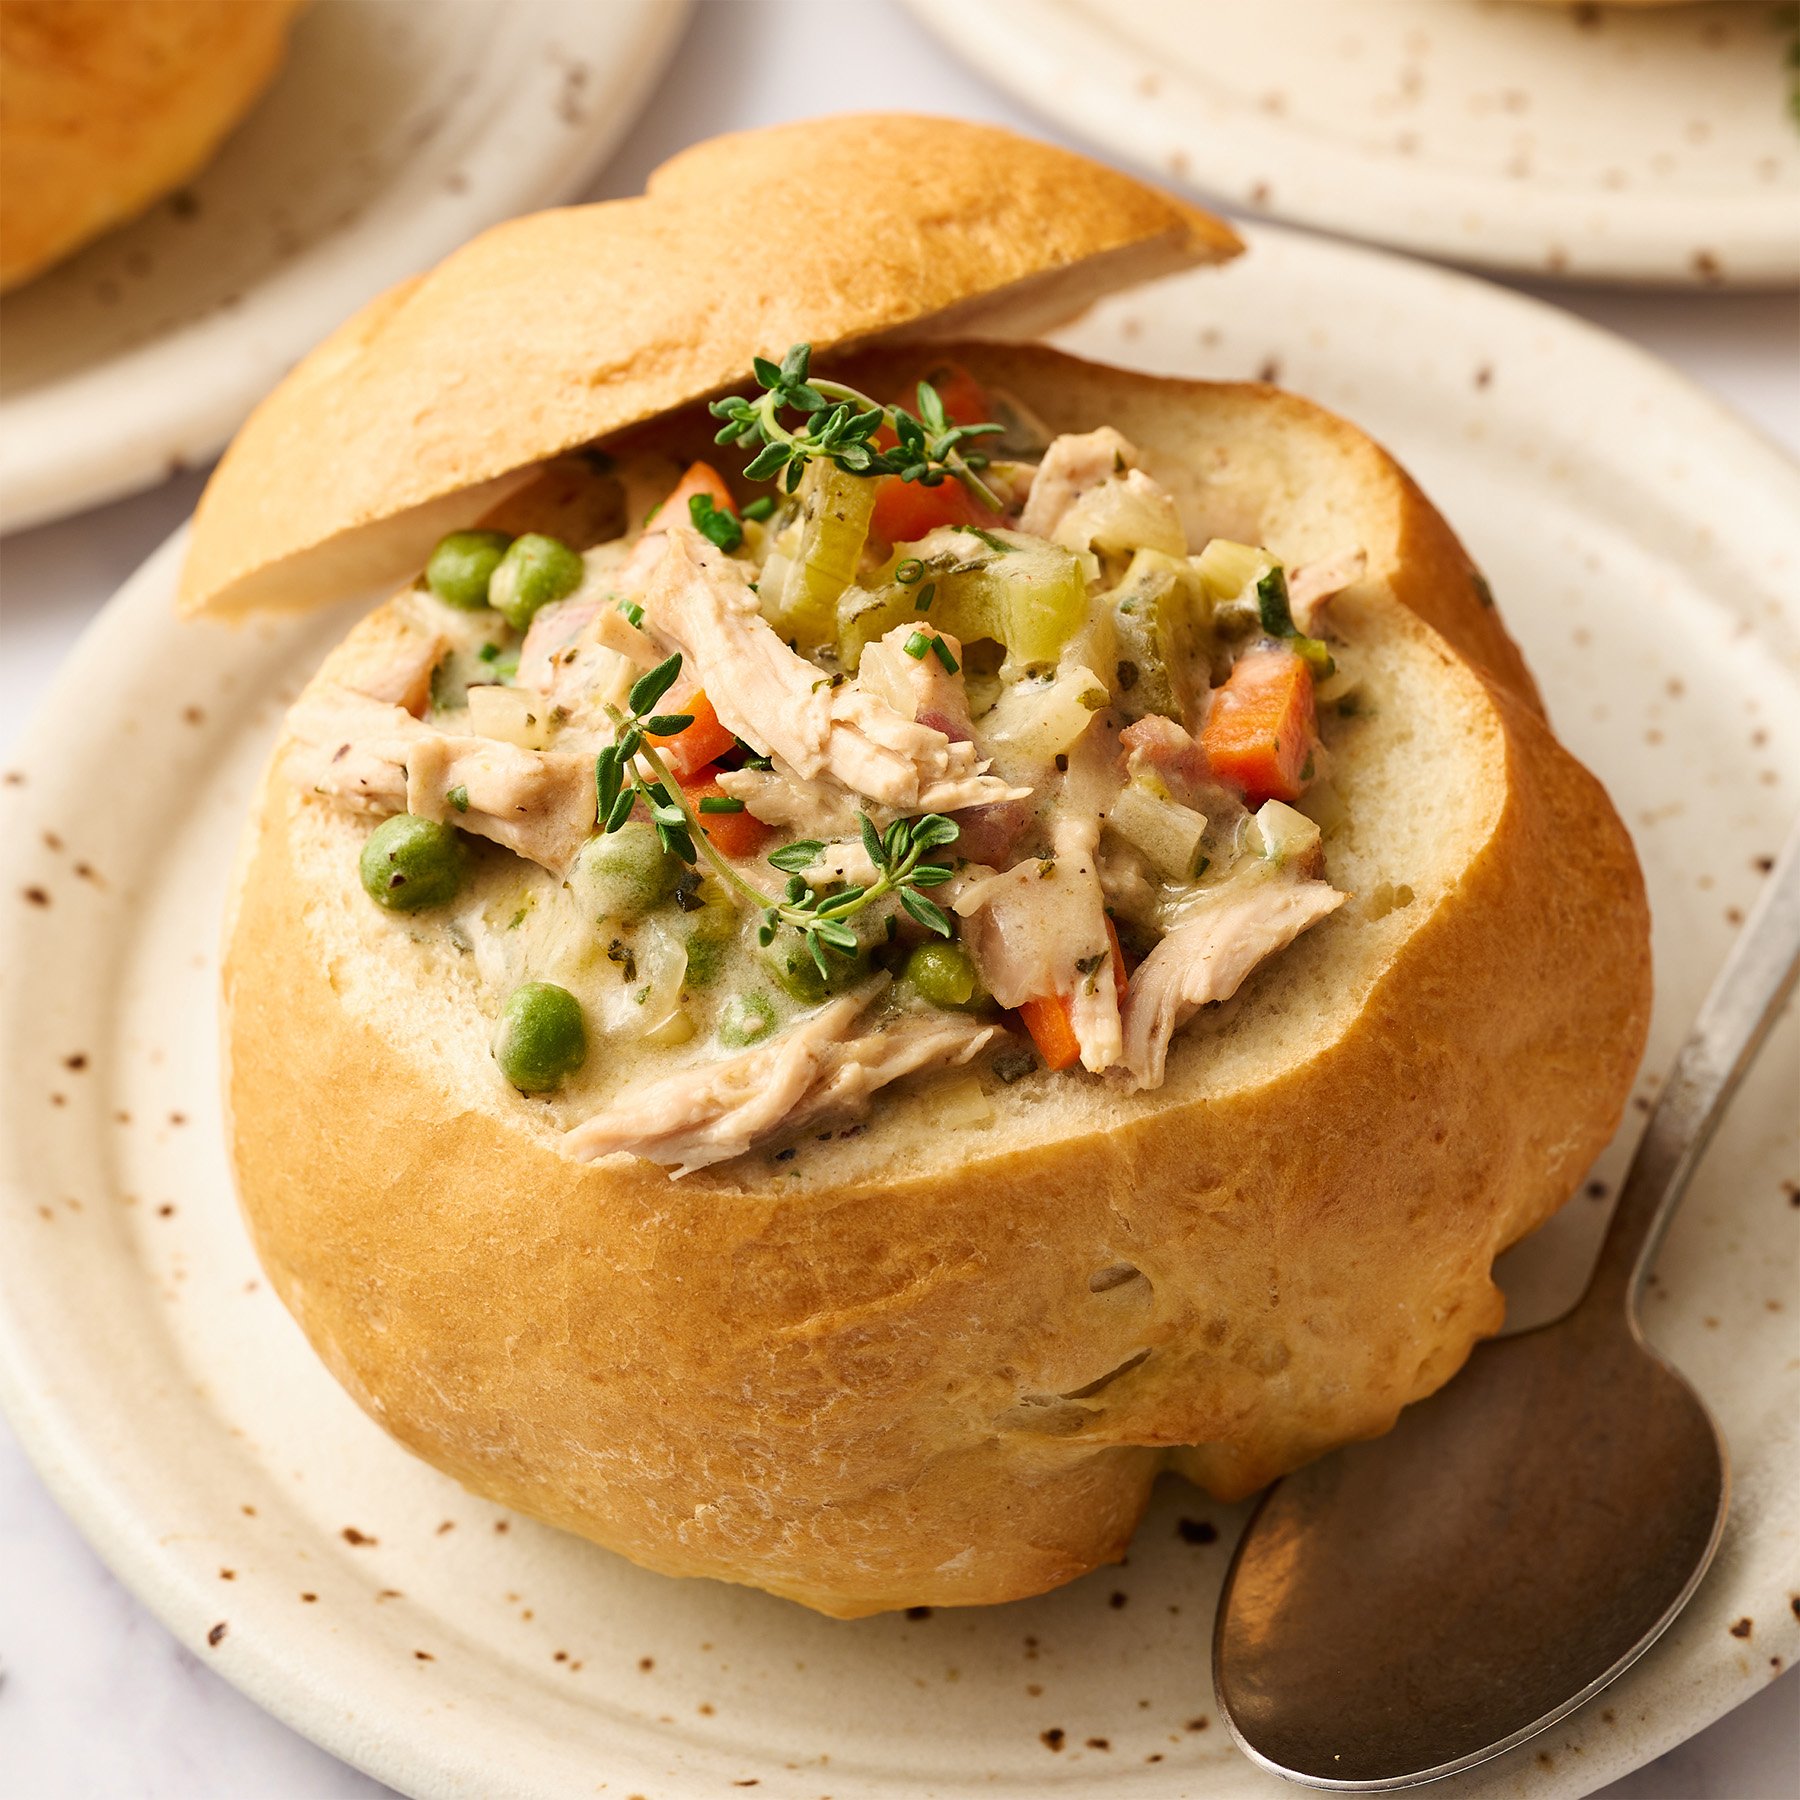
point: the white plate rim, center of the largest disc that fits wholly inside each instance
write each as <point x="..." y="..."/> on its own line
<point x="1044" y="53"/>
<point x="417" y="1760"/>
<point x="293" y="304"/>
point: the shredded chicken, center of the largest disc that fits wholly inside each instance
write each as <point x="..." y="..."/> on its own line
<point x="574" y="648"/>
<point x="854" y="1070"/>
<point x="1039" y="928"/>
<point x="1208" y="957"/>
<point x="779" y="796"/>
<point x="1312" y="586"/>
<point x="777" y="701"/>
<point x="848" y="862"/>
<point x="539" y="803"/>
<point x="379" y="758"/>
<point x="918" y="687"/>
<point x="719" y="1110"/>
<point x="398" y="669"/>
<point x="1072" y="465"/>
<point x="349" y="747"/>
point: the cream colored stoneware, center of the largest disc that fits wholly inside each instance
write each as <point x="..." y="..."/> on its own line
<point x="1645" y="144"/>
<point x="1642" y="544"/>
<point x="396" y="130"/>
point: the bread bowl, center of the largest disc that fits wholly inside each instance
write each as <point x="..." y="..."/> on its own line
<point x="111" y="103"/>
<point x="932" y="1344"/>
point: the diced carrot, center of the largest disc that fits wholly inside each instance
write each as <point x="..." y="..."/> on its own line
<point x="730" y="833"/>
<point x="904" y="510"/>
<point x="1052" y="1030"/>
<point x="965" y="401"/>
<point x="1051" y="1021"/>
<point x="704" y="741"/>
<point x="701" y="478"/>
<point x="1260" y="732"/>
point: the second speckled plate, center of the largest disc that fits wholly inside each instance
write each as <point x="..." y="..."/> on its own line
<point x="1640" y="542"/>
<point x="396" y="130"/>
<point x="1653" y="144"/>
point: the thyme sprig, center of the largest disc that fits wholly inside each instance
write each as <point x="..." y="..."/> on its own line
<point x="840" y="424"/>
<point x="629" y="771"/>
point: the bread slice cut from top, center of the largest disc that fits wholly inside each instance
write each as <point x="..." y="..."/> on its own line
<point x="561" y="328"/>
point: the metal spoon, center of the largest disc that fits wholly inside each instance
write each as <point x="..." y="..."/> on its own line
<point x="1409" y="1607"/>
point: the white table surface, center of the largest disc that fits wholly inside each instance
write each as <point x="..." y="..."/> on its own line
<point x="97" y="1701"/>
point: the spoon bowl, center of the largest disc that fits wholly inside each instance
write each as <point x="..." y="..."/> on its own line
<point x="1421" y="1602"/>
<point x="1446" y="1591"/>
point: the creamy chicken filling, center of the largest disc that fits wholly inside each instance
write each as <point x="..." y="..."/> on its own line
<point x="955" y="755"/>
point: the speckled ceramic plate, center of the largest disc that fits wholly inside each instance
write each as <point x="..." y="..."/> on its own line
<point x="396" y="130"/>
<point x="1635" y="144"/>
<point x="1640" y="541"/>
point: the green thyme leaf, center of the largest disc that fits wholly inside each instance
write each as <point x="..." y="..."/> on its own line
<point x="792" y="858"/>
<point x="650" y="687"/>
<point x="927" y="912"/>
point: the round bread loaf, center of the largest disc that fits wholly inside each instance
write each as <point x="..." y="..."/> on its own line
<point x="918" y="1365"/>
<point x="915" y="1362"/>
<point x="110" y="103"/>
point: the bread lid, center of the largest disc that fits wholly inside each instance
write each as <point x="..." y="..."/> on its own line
<point x="564" y="327"/>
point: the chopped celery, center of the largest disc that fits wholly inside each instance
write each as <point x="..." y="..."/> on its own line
<point x="1029" y="596"/>
<point x="1161" y="617"/>
<point x="834" y="526"/>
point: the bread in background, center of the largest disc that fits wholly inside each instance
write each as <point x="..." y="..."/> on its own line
<point x="107" y="104"/>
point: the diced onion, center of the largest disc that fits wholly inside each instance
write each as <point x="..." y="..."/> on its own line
<point x="1284" y="834"/>
<point x="1040" y="720"/>
<point x="960" y="1103"/>
<point x="1129" y="512"/>
<point x="1228" y="568"/>
<point x="677" y="1028"/>
<point x="1168" y="833"/>
<point x="510" y="715"/>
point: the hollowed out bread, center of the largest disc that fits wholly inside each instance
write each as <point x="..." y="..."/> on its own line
<point x="944" y="1366"/>
<point x="110" y="103"/>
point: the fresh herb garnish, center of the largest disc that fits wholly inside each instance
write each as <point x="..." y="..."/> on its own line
<point x="489" y="653"/>
<point x="927" y="594"/>
<point x="916" y="646"/>
<point x="459" y="798"/>
<point x="634" y="614"/>
<point x="760" y="508"/>
<point x="717" y="523"/>
<point x="840" y="426"/>
<point x="941" y="651"/>
<point x="629" y="770"/>
<point x="906" y="573"/>
<point x="988" y="538"/>
<point x="1276" y="615"/>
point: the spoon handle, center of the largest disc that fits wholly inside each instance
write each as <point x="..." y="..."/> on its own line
<point x="1734" y="1018"/>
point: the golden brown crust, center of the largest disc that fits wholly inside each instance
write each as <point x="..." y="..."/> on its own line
<point x="109" y="103"/>
<point x="552" y="331"/>
<point x="900" y="1375"/>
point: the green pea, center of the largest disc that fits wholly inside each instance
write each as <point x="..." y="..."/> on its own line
<point x="409" y="863"/>
<point x="792" y="965"/>
<point x="462" y="566"/>
<point x="534" y="571"/>
<point x="945" y="975"/>
<point x="542" y="1037"/>
<point x="747" y="1019"/>
<point x="626" y="873"/>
